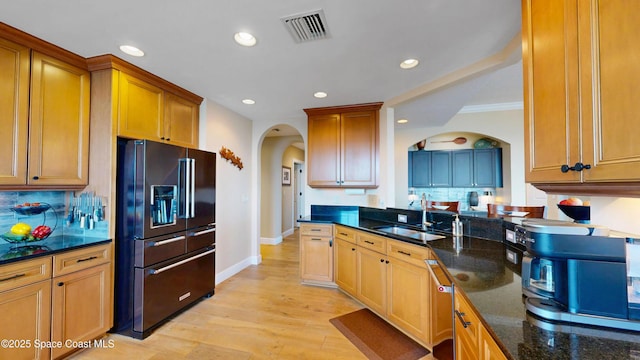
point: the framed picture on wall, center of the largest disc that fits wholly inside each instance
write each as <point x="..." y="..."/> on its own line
<point x="286" y="175"/>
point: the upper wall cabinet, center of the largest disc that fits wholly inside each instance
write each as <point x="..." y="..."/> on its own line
<point x="456" y="168"/>
<point x="147" y="106"/>
<point x="45" y="98"/>
<point x="430" y="168"/>
<point x="580" y="75"/>
<point x="343" y="146"/>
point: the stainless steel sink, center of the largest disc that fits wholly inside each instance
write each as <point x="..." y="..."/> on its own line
<point x="415" y="234"/>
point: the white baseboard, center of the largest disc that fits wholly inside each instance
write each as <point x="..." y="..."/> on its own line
<point x="236" y="268"/>
<point x="271" y="241"/>
<point x="287" y="233"/>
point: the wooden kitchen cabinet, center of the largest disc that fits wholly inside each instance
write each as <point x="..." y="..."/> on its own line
<point x="46" y="97"/>
<point x="145" y="106"/>
<point x="343" y="145"/>
<point x="408" y="290"/>
<point x="580" y="77"/>
<point x="345" y="259"/>
<point x="81" y="294"/>
<point x="372" y="279"/>
<point x="472" y="340"/>
<point x="316" y="253"/>
<point x="25" y="305"/>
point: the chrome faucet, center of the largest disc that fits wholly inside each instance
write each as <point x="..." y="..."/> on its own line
<point x="425" y="223"/>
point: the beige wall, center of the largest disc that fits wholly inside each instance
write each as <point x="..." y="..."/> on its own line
<point x="291" y="154"/>
<point x="234" y="246"/>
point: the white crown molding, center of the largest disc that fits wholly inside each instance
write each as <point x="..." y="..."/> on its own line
<point x="518" y="105"/>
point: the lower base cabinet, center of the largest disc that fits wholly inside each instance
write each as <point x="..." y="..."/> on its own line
<point x="316" y="254"/>
<point x="25" y="313"/>
<point x="472" y="340"/>
<point x="391" y="278"/>
<point x="80" y="306"/>
<point x="50" y="306"/>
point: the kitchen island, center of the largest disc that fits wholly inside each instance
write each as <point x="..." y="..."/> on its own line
<point x="488" y="272"/>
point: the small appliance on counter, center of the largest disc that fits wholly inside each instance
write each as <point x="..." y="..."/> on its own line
<point x="576" y="273"/>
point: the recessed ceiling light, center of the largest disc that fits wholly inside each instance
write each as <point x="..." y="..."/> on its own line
<point x="244" y="39"/>
<point x="131" y="50"/>
<point x="403" y="121"/>
<point x="320" y="94"/>
<point x="409" y="63"/>
<point x="248" y="101"/>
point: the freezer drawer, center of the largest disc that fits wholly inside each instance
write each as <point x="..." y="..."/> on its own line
<point x="158" y="249"/>
<point x="201" y="237"/>
<point x="168" y="287"/>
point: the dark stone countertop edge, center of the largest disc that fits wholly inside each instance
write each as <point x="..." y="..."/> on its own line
<point x="60" y="244"/>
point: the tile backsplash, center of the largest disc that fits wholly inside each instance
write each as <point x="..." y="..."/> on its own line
<point x="56" y="217"/>
<point x="447" y="194"/>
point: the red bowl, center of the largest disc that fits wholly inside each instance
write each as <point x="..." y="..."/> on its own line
<point x="579" y="213"/>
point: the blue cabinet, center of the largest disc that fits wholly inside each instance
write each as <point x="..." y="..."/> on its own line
<point x="456" y="168"/>
<point x="429" y="168"/>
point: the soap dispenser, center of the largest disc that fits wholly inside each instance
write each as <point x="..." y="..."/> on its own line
<point x="456" y="227"/>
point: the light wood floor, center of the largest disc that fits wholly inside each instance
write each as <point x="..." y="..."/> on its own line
<point x="261" y="313"/>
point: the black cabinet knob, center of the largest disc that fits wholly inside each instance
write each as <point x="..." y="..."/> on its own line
<point x="60" y="283"/>
<point x="36" y="177"/>
<point x="577" y="167"/>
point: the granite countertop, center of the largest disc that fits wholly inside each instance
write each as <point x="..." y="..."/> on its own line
<point x="488" y="272"/>
<point x="52" y="245"/>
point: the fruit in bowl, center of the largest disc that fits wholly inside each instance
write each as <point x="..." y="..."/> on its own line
<point x="578" y="210"/>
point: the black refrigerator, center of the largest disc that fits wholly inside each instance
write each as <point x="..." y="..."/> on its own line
<point x="165" y="233"/>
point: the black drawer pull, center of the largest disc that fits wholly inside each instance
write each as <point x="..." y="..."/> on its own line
<point x="460" y="316"/>
<point x="12" y="277"/>
<point x="343" y="234"/>
<point x="404" y="253"/>
<point x="86" y="259"/>
<point x="370" y="242"/>
<point x="316" y="239"/>
<point x="316" y="229"/>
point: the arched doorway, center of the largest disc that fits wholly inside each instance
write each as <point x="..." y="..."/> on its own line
<point x="281" y="153"/>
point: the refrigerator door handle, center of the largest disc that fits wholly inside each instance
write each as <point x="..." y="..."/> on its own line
<point x="187" y="186"/>
<point x="163" y="269"/>
<point x="208" y="231"/>
<point x="192" y="201"/>
<point x="163" y="242"/>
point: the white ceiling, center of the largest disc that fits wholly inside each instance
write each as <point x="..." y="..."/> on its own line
<point x="190" y="43"/>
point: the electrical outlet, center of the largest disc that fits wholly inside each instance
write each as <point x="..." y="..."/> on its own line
<point x="402" y="218"/>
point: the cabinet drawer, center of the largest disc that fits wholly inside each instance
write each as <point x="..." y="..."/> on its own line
<point x="24" y="273"/>
<point x="81" y="259"/>
<point x="373" y="242"/>
<point x="345" y="233"/>
<point x="316" y="229"/>
<point x="413" y="254"/>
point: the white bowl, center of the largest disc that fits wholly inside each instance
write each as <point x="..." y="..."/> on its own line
<point x="441" y="207"/>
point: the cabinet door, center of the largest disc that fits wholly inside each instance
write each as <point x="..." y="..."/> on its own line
<point x="316" y="258"/>
<point x="408" y="298"/>
<point x="359" y="149"/>
<point x="345" y="266"/>
<point x="441" y="169"/>
<point x="372" y="279"/>
<point x="488" y="348"/>
<point x="81" y="308"/>
<point x="467" y="327"/>
<point x="462" y="168"/>
<point x="549" y="58"/>
<point x="487" y="167"/>
<point x="59" y="123"/>
<point x="29" y="306"/>
<point x="140" y="113"/>
<point x="324" y="150"/>
<point x="609" y="89"/>
<point x="419" y="168"/>
<point x="14" y="112"/>
<point x="181" y="118"/>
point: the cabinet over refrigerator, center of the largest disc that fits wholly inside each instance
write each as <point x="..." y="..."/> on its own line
<point x="165" y="232"/>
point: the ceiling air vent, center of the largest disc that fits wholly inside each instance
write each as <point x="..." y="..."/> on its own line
<point x="307" y="27"/>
